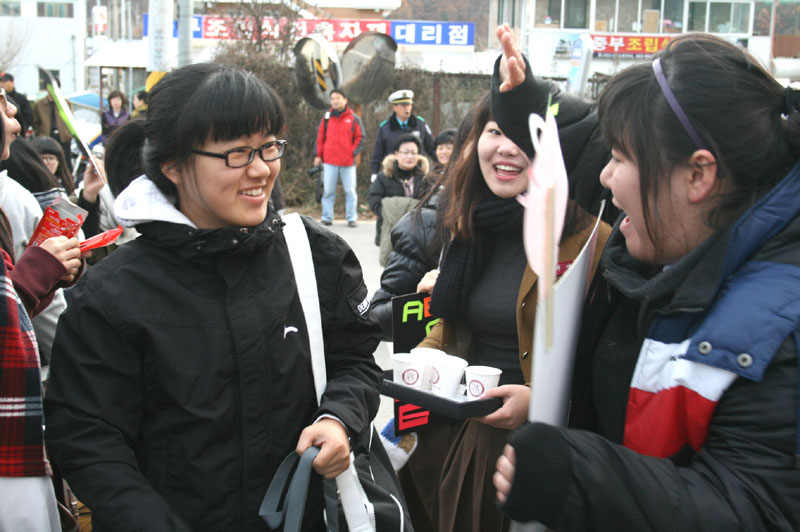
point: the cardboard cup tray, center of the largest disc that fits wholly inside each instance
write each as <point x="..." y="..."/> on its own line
<point x="452" y="408"/>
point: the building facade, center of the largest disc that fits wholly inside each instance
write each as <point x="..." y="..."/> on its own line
<point x="50" y="34"/>
<point x="628" y="30"/>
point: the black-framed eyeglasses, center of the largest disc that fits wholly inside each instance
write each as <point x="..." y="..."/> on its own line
<point x="3" y="100"/>
<point x="244" y="155"/>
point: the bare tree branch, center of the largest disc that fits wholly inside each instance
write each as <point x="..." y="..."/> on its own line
<point x="14" y="40"/>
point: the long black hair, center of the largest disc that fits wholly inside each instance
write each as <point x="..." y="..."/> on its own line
<point x="739" y="111"/>
<point x="123" y="155"/>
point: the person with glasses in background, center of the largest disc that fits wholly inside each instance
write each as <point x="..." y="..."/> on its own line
<point x="183" y="374"/>
<point x="403" y="175"/>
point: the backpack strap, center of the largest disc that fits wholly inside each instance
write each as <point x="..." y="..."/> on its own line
<point x="306" y="281"/>
<point x="325" y="127"/>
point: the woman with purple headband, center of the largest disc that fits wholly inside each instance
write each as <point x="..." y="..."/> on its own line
<point x="684" y="403"/>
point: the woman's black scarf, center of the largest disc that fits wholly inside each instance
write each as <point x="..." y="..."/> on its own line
<point x="465" y="261"/>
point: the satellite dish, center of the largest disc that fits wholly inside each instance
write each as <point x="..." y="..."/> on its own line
<point x="317" y="69"/>
<point x="368" y="66"/>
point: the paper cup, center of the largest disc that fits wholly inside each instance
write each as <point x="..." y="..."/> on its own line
<point x="480" y="379"/>
<point x="427" y="355"/>
<point x="410" y="370"/>
<point x="447" y="372"/>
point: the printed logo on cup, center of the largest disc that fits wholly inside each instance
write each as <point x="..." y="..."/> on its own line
<point x="476" y="388"/>
<point x="434" y="376"/>
<point x="410" y="376"/>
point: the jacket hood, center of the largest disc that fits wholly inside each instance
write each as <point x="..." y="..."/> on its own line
<point x="423" y="165"/>
<point x="143" y="205"/>
<point x="143" y="202"/>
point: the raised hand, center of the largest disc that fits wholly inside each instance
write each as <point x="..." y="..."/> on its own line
<point x="512" y="65"/>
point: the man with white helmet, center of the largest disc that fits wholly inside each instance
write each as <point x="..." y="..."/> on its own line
<point x="402" y="122"/>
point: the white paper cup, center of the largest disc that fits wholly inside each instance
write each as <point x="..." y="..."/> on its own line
<point x="447" y="372"/>
<point x="427" y="355"/>
<point x="480" y="379"/>
<point x="409" y="370"/>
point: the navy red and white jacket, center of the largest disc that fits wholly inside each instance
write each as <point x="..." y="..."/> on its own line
<point x="339" y="137"/>
<point x="686" y="386"/>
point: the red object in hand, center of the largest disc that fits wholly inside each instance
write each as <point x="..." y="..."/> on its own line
<point x="103" y="239"/>
<point x="61" y="218"/>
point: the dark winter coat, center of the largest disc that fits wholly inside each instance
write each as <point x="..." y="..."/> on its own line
<point x="730" y="308"/>
<point x="389" y="132"/>
<point x="409" y="261"/>
<point x="109" y="122"/>
<point x="181" y="374"/>
<point x="388" y="184"/>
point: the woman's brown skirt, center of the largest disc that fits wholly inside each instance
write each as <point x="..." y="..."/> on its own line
<point x="447" y="482"/>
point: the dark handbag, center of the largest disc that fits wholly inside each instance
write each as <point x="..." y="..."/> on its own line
<point x="387" y="508"/>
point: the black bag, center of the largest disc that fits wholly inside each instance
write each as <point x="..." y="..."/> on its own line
<point x="378" y="480"/>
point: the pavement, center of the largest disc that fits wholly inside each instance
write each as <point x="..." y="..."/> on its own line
<point x="362" y="240"/>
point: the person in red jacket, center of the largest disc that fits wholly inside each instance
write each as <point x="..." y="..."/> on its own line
<point x="339" y="141"/>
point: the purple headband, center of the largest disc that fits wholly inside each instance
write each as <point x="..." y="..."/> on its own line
<point x="676" y="108"/>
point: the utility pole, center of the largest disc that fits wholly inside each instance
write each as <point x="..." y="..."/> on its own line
<point x="185" y="23"/>
<point x="771" y="65"/>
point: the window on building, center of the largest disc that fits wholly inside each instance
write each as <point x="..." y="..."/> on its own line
<point x="507" y="12"/>
<point x="672" y="22"/>
<point x="655" y="16"/>
<point x="9" y="8"/>
<point x="54" y="9"/>
<point x="576" y="14"/>
<point x="548" y="14"/>
<point x="720" y="17"/>
<point x="44" y="80"/>
<point x="763" y="13"/>
<point x="628" y="21"/>
<point x="605" y="15"/>
<point x="697" y="16"/>
<point x="740" y="17"/>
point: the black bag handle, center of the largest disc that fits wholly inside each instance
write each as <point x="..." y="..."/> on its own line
<point x="291" y="515"/>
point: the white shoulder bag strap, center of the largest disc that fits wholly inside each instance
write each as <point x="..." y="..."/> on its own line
<point x="358" y="511"/>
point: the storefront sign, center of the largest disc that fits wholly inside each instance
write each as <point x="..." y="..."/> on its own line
<point x="630" y="45"/>
<point x="220" y="27"/>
